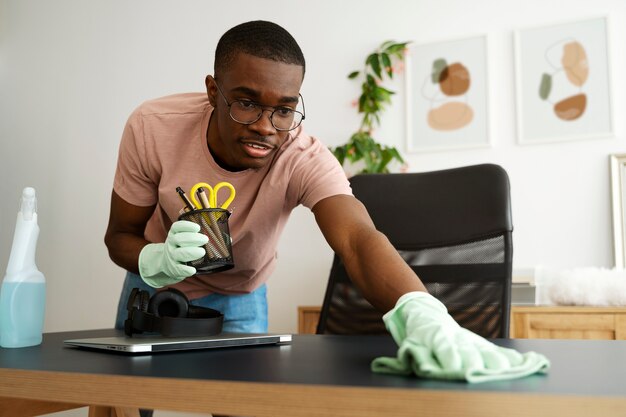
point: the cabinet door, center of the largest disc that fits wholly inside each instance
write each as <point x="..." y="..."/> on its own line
<point x="307" y="319"/>
<point x="567" y="326"/>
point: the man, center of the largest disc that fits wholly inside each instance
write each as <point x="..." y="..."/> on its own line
<point x="245" y="130"/>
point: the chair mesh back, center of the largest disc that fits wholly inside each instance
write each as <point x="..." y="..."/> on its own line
<point x="468" y="270"/>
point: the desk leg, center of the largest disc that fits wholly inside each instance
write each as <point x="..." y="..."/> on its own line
<point x="100" y="411"/>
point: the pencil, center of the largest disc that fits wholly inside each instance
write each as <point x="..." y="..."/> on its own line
<point x="183" y="197"/>
<point x="216" y="233"/>
<point x="203" y="198"/>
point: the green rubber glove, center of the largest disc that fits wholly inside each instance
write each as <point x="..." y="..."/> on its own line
<point x="433" y="345"/>
<point x="162" y="264"/>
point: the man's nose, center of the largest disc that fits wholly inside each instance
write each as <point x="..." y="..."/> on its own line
<point x="264" y="125"/>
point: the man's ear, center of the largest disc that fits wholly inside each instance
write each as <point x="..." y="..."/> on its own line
<point x="211" y="89"/>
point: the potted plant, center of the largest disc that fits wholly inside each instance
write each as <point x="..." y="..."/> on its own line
<point x="373" y="100"/>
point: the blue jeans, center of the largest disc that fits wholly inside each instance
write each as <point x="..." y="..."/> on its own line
<point x="243" y="313"/>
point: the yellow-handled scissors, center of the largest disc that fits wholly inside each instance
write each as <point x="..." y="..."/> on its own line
<point x="210" y="200"/>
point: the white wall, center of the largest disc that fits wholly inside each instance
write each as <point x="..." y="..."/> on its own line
<point x="72" y="71"/>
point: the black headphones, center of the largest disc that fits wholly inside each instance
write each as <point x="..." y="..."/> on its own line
<point x="169" y="313"/>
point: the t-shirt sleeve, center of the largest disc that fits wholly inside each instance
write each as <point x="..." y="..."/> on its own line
<point x="133" y="180"/>
<point x="319" y="175"/>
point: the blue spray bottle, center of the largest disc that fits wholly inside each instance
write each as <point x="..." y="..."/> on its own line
<point x="23" y="292"/>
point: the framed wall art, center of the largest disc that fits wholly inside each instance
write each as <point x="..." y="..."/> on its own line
<point x="563" y="83"/>
<point x="618" y="204"/>
<point x="447" y="95"/>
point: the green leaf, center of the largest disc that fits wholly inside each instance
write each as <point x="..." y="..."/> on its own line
<point x="382" y="94"/>
<point x="353" y="75"/>
<point x="545" y="87"/>
<point x="360" y="151"/>
<point x="388" y="91"/>
<point x="378" y="69"/>
<point x="374" y="62"/>
<point x="386" y="44"/>
<point x="366" y="120"/>
<point x="387" y="64"/>
<point x="340" y="153"/>
<point x="384" y="161"/>
<point x="371" y="82"/>
<point x="395" y="154"/>
<point x="397" y="49"/>
<point x="362" y="103"/>
<point x="368" y="163"/>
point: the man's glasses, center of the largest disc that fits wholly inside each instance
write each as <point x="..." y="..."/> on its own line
<point x="247" y="112"/>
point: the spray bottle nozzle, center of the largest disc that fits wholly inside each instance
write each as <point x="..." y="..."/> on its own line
<point x="29" y="203"/>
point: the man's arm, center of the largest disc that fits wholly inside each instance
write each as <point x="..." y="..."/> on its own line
<point x="124" y="235"/>
<point x="371" y="261"/>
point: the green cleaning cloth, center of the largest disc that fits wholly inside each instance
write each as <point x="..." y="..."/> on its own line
<point x="433" y="345"/>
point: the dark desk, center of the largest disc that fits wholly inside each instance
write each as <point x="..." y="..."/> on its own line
<point x="314" y="376"/>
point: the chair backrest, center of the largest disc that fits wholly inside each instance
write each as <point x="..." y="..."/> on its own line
<point x="454" y="228"/>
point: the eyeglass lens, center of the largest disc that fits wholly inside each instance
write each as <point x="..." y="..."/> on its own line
<point x="246" y="112"/>
<point x="282" y="118"/>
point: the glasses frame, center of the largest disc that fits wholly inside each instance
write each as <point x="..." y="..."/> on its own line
<point x="263" y="109"/>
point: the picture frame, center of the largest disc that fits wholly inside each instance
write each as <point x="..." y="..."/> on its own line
<point x="447" y="97"/>
<point x="618" y="207"/>
<point x="563" y="83"/>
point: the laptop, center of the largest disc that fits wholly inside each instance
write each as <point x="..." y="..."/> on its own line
<point x="152" y="344"/>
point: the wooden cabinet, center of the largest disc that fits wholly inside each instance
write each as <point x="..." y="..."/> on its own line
<point x="308" y="316"/>
<point x="564" y="322"/>
<point x="535" y="322"/>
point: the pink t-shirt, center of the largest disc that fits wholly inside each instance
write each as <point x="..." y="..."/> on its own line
<point x="164" y="146"/>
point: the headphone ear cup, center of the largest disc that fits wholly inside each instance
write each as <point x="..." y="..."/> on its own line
<point x="169" y="303"/>
<point x="144" y="299"/>
<point x="137" y="300"/>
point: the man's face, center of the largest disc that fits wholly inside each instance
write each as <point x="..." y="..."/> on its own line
<point x="257" y="80"/>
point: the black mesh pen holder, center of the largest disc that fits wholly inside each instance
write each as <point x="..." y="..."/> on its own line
<point x="219" y="252"/>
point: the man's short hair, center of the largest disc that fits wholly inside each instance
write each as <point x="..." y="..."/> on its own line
<point x="258" y="38"/>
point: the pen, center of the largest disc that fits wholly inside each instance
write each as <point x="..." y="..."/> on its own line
<point x="215" y="231"/>
<point x="212" y="251"/>
<point x="203" y="198"/>
<point x="183" y="197"/>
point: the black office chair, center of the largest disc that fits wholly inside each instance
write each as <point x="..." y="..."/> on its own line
<point x="453" y="227"/>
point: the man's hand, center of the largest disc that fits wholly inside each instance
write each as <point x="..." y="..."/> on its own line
<point x="162" y="264"/>
<point x="433" y="345"/>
